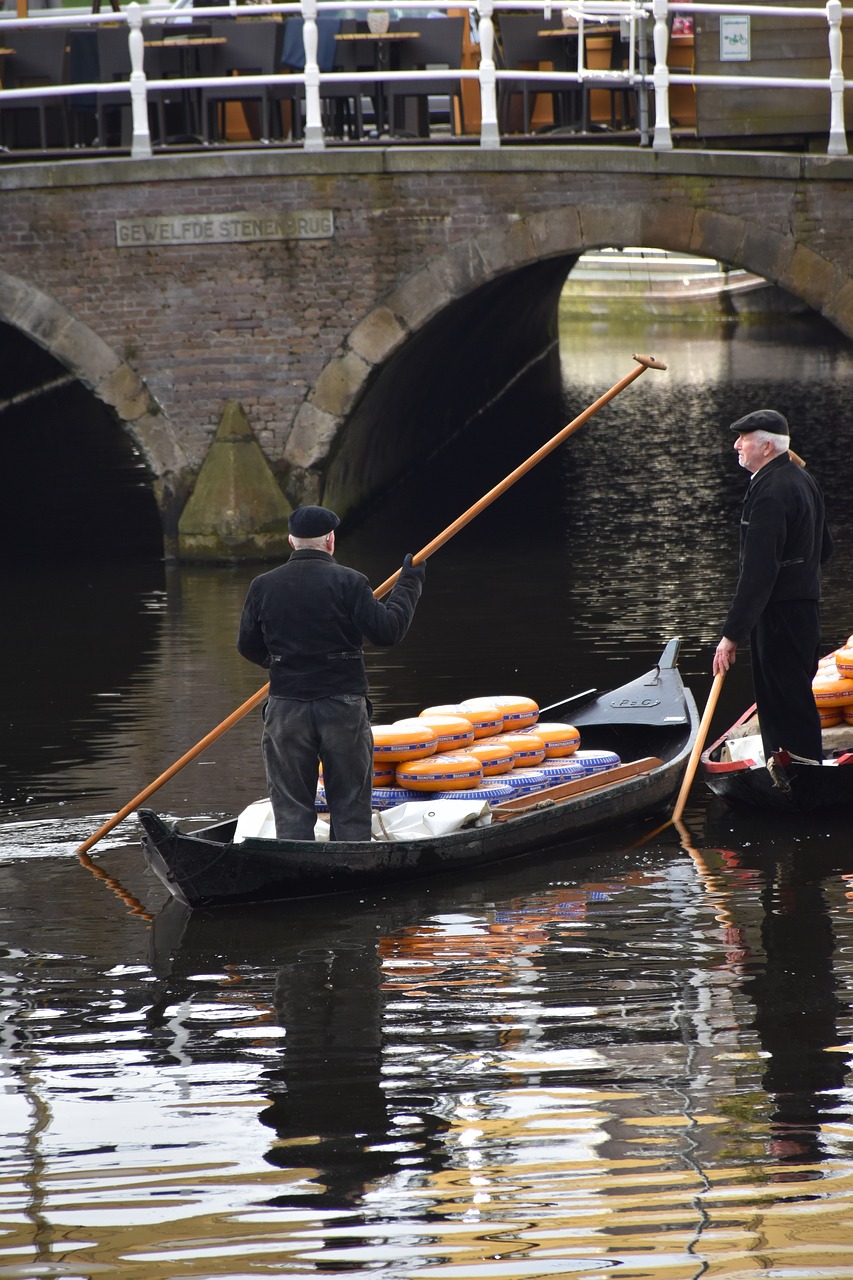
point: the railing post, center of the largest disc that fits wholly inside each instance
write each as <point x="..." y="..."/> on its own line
<point x="490" y="138"/>
<point x="314" y="140"/>
<point x="837" y="145"/>
<point x="663" y="134"/>
<point x="140" y="147"/>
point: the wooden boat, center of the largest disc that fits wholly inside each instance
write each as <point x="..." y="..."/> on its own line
<point x="651" y="723"/>
<point x="787" y="786"/>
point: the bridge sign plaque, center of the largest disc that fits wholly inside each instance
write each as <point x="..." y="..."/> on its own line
<point x="224" y="228"/>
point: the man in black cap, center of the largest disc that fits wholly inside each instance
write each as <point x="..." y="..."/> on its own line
<point x="306" y="621"/>
<point x="783" y="542"/>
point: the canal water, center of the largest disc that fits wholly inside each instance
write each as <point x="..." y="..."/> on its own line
<point x="629" y="1055"/>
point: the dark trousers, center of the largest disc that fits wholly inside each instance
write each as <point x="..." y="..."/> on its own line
<point x="785" y="650"/>
<point x="297" y="736"/>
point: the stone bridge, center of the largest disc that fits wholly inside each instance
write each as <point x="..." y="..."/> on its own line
<point x="348" y="300"/>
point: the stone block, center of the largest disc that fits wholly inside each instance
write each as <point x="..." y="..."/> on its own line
<point x="339" y="384"/>
<point x="378" y="335"/>
<point x="311" y="436"/>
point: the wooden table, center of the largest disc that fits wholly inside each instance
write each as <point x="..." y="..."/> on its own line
<point x="380" y="41"/>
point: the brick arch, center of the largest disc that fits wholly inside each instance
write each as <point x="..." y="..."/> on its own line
<point x="559" y="232"/>
<point x="93" y="362"/>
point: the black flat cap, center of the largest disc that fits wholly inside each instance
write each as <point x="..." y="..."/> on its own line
<point x="312" y="522"/>
<point x="761" y="420"/>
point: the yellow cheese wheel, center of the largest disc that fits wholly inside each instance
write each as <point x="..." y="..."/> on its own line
<point x="844" y="662"/>
<point x="518" y="712"/>
<point x="454" y="733"/>
<point x="831" y="689"/>
<point x="528" y="747"/>
<point x="560" y="739"/>
<point x="494" y="755"/>
<point x="484" y="714"/>
<point x="404" y="740"/>
<point x="445" y="771"/>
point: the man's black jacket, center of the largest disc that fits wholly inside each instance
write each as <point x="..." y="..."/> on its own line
<point x="783" y="542"/>
<point x="306" y="621"/>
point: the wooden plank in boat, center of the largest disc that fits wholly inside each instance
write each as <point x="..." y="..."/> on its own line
<point x="577" y="786"/>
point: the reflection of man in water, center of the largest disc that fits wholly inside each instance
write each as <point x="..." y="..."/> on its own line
<point x="796" y="1013"/>
<point x="328" y="1108"/>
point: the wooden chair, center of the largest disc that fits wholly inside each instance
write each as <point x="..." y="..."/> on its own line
<point x="39" y="60"/>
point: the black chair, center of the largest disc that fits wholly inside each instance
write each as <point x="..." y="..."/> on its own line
<point x="114" y="64"/>
<point x="523" y="48"/>
<point x="438" y="45"/>
<point x="623" y="96"/>
<point x="252" y="47"/>
<point x="39" y="60"/>
<point x="339" y="103"/>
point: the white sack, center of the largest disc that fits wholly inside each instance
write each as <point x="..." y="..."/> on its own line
<point x="419" y="820"/>
<point x="750" y="748"/>
<point x="410" y="821"/>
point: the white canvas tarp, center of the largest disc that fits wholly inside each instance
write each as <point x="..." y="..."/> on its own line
<point x="411" y="821"/>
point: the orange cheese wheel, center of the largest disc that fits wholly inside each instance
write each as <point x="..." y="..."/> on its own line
<point x="529" y="748"/>
<point x="518" y="712"/>
<point x="445" y="771"/>
<point x="454" y="733"/>
<point x="484" y="714"/>
<point x="831" y="689"/>
<point x="404" y="740"/>
<point x="494" y="755"/>
<point x="847" y="712"/>
<point x="831" y="716"/>
<point x="844" y="662"/>
<point x="560" y="739"/>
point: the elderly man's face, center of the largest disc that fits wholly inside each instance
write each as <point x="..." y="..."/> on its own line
<point x="752" y="453"/>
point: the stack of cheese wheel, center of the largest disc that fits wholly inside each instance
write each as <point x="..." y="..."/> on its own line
<point x="409" y="739"/>
<point x="843" y="662"/>
<point x="832" y="685"/>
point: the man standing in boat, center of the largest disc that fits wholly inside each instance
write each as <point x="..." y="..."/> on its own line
<point x="306" y="621"/>
<point x="783" y="542"/>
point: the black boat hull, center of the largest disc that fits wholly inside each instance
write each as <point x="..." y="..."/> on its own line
<point x="798" y="788"/>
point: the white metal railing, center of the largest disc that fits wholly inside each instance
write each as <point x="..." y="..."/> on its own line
<point x="647" y="70"/>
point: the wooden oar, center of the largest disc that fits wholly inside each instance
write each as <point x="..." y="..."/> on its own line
<point x="643" y="363"/>
<point x="702" y="734"/>
<point x="690" y="772"/>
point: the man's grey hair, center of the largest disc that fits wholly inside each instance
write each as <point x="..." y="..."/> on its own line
<point x="781" y="444"/>
<point x="310" y="544"/>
